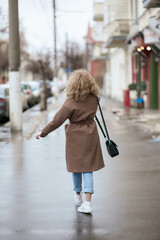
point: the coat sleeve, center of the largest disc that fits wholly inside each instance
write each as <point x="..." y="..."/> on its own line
<point x="61" y="116"/>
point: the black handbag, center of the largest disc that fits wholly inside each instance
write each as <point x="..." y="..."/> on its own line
<point x="111" y="146"/>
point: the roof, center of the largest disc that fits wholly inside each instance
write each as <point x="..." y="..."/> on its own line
<point x="89" y="37"/>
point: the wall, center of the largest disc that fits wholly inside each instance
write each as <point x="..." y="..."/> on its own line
<point x="119" y="73"/>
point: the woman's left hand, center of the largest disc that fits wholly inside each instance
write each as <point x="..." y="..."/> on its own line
<point x="37" y="136"/>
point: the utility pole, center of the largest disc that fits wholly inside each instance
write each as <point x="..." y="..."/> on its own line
<point x="15" y="99"/>
<point x="55" y="53"/>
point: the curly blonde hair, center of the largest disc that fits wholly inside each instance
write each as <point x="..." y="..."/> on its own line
<point x="80" y="85"/>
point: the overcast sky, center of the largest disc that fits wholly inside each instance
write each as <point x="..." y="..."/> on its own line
<point x="36" y="19"/>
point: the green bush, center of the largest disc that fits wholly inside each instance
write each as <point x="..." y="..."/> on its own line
<point x="138" y="87"/>
<point x="132" y="86"/>
<point x="143" y="86"/>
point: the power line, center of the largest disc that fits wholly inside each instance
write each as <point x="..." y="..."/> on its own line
<point x="45" y="16"/>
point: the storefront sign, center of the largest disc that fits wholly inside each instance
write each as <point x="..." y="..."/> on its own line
<point x="150" y="37"/>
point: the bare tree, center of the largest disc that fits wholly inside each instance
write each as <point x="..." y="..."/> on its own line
<point x="3" y="61"/>
<point x="23" y="47"/>
<point x="42" y="66"/>
<point x="3" y="56"/>
<point x="3" y="23"/>
<point x="75" y="56"/>
<point x="3" y="47"/>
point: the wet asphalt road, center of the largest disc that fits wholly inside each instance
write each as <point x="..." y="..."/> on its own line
<point x="36" y="192"/>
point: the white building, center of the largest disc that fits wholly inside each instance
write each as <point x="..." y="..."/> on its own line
<point x="117" y="20"/>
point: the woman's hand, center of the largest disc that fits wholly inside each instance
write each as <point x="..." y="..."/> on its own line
<point x="37" y="136"/>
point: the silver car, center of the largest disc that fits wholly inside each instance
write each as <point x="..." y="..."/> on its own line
<point x="35" y="88"/>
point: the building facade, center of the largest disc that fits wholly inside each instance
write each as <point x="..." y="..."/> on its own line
<point x="131" y="42"/>
<point x="144" y="44"/>
<point x="95" y="58"/>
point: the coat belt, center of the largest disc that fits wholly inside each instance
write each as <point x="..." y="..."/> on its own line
<point x="83" y="121"/>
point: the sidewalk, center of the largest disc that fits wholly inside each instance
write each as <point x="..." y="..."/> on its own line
<point x="145" y="120"/>
<point x="36" y="191"/>
<point x="32" y="119"/>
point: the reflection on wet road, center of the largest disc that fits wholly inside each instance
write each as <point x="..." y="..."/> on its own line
<point x="36" y="192"/>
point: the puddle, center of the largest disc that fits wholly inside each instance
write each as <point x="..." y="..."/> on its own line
<point x="155" y="140"/>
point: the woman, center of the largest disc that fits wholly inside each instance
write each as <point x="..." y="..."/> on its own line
<point x="83" y="150"/>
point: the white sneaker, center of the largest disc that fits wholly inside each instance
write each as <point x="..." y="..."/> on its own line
<point x="78" y="198"/>
<point x="85" y="207"/>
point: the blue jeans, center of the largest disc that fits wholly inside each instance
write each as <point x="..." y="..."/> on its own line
<point x="87" y="179"/>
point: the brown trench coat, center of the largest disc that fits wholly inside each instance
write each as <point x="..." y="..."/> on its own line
<point x="83" y="150"/>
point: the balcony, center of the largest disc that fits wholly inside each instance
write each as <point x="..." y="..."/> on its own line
<point x="151" y="3"/>
<point x="116" y="32"/>
<point x="98" y="11"/>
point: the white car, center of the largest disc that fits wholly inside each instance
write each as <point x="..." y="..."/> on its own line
<point x="35" y="87"/>
<point x="60" y="85"/>
<point x="26" y="89"/>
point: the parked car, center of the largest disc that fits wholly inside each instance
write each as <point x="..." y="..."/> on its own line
<point x="26" y="89"/>
<point x="4" y="101"/>
<point x="52" y="87"/>
<point x="61" y="85"/>
<point x="35" y="88"/>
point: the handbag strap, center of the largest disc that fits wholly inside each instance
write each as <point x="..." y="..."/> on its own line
<point x="100" y="126"/>
<point x="103" y="122"/>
